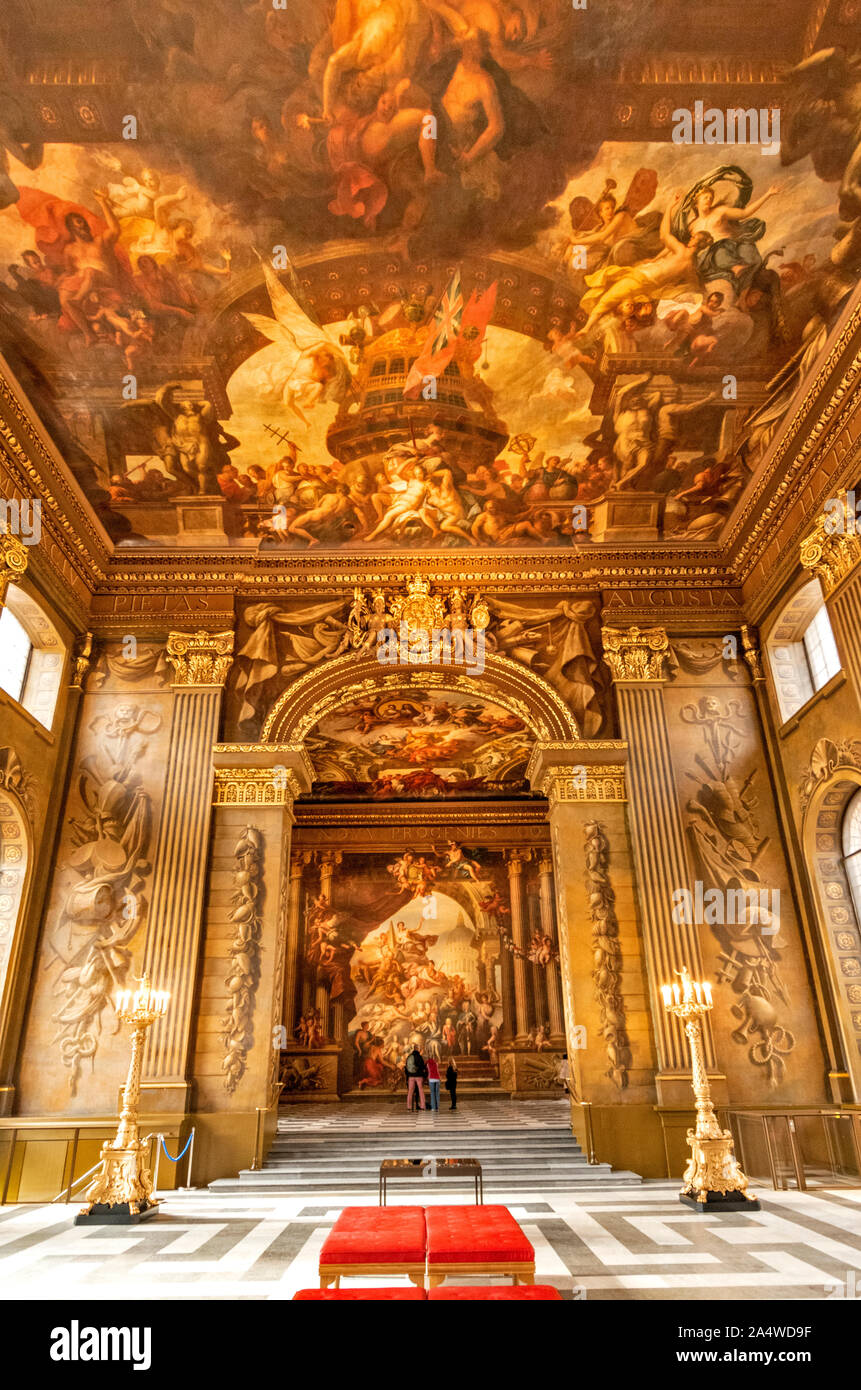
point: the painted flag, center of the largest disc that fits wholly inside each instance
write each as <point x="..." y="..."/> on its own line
<point x="476" y="317"/>
<point x="439" y="345"/>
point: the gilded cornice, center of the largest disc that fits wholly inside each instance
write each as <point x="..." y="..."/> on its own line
<point x="13" y="561"/>
<point x="635" y="654"/>
<point x="593" y="770"/>
<point x="200" y="658"/>
<point x="39" y="472"/>
<point x="255" y="786"/>
<point x="833" y="548"/>
<point x="512" y="685"/>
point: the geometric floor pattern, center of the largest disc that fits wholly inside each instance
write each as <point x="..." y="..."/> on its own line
<point x="615" y="1243"/>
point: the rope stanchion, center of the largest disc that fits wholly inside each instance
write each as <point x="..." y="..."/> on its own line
<point x="171" y="1158"/>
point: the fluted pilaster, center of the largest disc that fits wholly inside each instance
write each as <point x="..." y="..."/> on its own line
<point x="637" y="660"/>
<point x="201" y="661"/>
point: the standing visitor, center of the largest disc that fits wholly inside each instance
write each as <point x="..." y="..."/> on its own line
<point x="451" y="1082"/>
<point x="563" y="1075"/>
<point x="433" y="1082"/>
<point x="416" y="1070"/>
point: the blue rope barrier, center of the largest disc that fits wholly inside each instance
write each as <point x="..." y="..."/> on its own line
<point x="179" y="1156"/>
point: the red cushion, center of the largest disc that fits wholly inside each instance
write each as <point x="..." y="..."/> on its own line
<point x="539" y="1292"/>
<point x="376" y="1236"/>
<point x="475" y="1235"/>
<point x="335" y="1295"/>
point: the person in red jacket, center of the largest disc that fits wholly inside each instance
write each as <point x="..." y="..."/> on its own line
<point x="433" y="1082"/>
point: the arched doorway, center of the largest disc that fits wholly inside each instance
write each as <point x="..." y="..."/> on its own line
<point x="420" y="798"/>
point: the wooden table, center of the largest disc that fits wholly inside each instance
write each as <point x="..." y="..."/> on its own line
<point x="430" y="1168"/>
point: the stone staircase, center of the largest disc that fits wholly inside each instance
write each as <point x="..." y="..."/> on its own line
<point x="520" y="1146"/>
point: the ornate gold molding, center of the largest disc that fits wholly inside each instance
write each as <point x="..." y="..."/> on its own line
<point x="335" y="682"/>
<point x="200" y="658"/>
<point x="81" y="660"/>
<point x="255" y="786"/>
<point x="635" y="653"/>
<point x="752" y="653"/>
<point x="598" y="784"/>
<point x="588" y="771"/>
<point x="833" y="548"/>
<point x="13" y="561"/>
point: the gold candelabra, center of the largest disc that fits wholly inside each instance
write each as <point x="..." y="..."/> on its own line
<point x="712" y="1177"/>
<point x="121" y="1191"/>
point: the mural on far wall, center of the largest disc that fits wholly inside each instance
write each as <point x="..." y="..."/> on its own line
<point x="283" y="317"/>
<point x="412" y="949"/>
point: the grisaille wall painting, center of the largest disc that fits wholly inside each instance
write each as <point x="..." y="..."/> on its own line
<point x="284" y="317"/>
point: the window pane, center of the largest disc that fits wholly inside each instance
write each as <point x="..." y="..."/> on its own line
<point x="821" y="649"/>
<point x="852" y="850"/>
<point x="14" y="654"/>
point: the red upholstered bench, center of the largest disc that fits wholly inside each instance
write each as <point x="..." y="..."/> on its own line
<point x="476" y="1240"/>
<point x="339" y="1295"/>
<point x="375" y="1240"/>
<point x="539" y="1293"/>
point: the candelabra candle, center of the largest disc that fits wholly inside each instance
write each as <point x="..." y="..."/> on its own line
<point x="712" y="1177"/>
<point x="122" y="1189"/>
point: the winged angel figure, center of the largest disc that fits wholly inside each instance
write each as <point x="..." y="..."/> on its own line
<point x="310" y="367"/>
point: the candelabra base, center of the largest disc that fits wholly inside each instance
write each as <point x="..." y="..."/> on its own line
<point x="118" y="1214"/>
<point x="121" y="1192"/>
<point x="718" y="1201"/>
<point x="713" y="1179"/>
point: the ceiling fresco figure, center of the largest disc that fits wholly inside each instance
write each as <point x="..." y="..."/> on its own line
<point x="316" y="232"/>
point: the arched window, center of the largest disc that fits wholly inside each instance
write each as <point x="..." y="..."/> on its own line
<point x="14" y="861"/>
<point x="852" y="850"/>
<point x="801" y="649"/>
<point x="32" y="656"/>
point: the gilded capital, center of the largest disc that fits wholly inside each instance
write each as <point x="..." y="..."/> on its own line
<point x="81" y="659"/>
<point x="833" y="548"/>
<point x="13" y="561"/>
<point x="752" y="654"/>
<point x="200" y="658"/>
<point x="636" y="653"/>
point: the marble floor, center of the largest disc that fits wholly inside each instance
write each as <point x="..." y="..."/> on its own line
<point x="393" y="1117"/>
<point x="612" y="1243"/>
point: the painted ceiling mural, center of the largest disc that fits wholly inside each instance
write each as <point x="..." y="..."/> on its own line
<point x="365" y="279"/>
<point x="420" y="743"/>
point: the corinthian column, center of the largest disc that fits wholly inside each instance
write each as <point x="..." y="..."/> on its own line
<point x="331" y="1015"/>
<point x="524" y="1013"/>
<point x="832" y="551"/>
<point x="295" y="903"/>
<point x="548" y="928"/>
<point x="201" y="661"/>
<point x="637" y="658"/>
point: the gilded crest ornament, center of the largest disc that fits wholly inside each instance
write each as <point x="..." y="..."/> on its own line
<point x="417" y="610"/>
